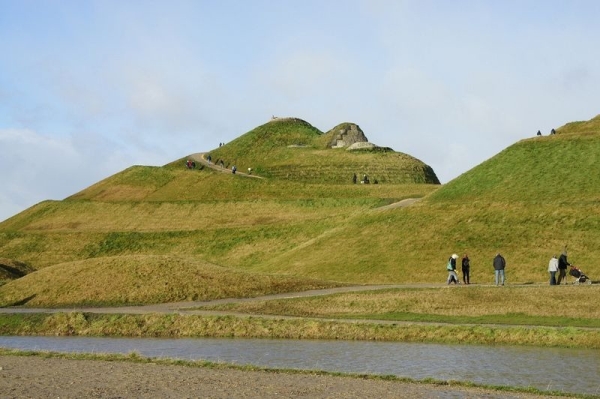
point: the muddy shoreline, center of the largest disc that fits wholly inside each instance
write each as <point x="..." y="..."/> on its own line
<point x="42" y="377"/>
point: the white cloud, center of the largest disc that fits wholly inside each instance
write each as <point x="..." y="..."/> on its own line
<point x="450" y="83"/>
<point x="38" y="167"/>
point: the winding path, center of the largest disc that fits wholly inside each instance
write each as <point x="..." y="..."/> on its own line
<point x="199" y="157"/>
<point x="191" y="307"/>
<point x="195" y="307"/>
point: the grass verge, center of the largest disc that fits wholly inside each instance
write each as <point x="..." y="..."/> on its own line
<point x="193" y="326"/>
<point x="551" y="306"/>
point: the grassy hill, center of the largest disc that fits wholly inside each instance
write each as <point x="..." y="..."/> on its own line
<point x="526" y="202"/>
<point x="200" y="216"/>
<point x="143" y="279"/>
<point x="292" y="149"/>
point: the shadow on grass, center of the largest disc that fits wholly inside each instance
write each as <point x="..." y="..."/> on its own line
<point x="21" y="302"/>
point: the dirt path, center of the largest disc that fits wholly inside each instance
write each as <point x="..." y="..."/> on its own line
<point x="40" y="377"/>
<point x="196" y="307"/>
<point x="199" y="157"/>
<point x="190" y="307"/>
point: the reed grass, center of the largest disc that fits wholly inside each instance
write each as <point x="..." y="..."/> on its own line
<point x="523" y="305"/>
<point x="173" y="325"/>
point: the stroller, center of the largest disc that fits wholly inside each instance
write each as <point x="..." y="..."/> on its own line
<point x="579" y="276"/>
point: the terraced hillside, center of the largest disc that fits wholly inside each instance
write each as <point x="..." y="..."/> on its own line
<point x="292" y="149"/>
<point x="527" y="202"/>
<point x="201" y="217"/>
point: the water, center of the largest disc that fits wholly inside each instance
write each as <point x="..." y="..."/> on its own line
<point x="568" y="370"/>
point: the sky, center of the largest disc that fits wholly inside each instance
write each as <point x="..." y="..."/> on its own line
<point x="89" y="88"/>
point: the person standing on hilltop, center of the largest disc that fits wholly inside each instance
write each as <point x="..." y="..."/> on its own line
<point x="499" y="265"/>
<point x="552" y="269"/>
<point x="466" y="269"/>
<point x="562" y="266"/>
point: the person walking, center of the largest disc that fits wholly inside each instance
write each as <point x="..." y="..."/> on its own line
<point x="499" y="265"/>
<point x="552" y="269"/>
<point x="451" y="267"/>
<point x="466" y="266"/>
<point x="562" y="267"/>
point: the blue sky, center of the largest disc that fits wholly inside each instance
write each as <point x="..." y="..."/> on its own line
<point x="89" y="88"/>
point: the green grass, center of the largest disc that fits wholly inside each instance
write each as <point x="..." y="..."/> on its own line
<point x="266" y="149"/>
<point x="191" y="326"/>
<point x="524" y="305"/>
<point x="143" y="279"/>
<point x="527" y="202"/>
<point x="513" y="319"/>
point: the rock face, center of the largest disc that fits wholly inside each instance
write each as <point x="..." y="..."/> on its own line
<point x="347" y="135"/>
<point x="361" y="146"/>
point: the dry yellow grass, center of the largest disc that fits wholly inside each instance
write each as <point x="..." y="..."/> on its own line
<point x="140" y="279"/>
<point x="535" y="301"/>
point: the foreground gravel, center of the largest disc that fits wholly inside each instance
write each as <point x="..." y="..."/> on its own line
<point x="39" y="377"/>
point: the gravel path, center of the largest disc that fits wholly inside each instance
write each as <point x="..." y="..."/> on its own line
<point x="39" y="377"/>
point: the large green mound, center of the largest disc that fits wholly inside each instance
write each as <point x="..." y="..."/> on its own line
<point x="201" y="214"/>
<point x="527" y="202"/>
<point x="292" y="149"/>
<point x="143" y="279"/>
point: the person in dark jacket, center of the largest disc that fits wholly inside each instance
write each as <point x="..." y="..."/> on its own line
<point x="466" y="266"/>
<point x="499" y="265"/>
<point x="562" y="267"/>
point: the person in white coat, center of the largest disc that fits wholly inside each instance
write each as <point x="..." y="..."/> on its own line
<point x="552" y="269"/>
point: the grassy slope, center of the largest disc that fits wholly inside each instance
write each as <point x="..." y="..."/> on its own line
<point x="267" y="151"/>
<point x="199" y="215"/>
<point x="141" y="279"/>
<point x="527" y="202"/>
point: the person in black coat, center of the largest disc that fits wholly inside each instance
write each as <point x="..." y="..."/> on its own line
<point x="499" y="265"/>
<point x="562" y="267"/>
<point x="466" y="269"/>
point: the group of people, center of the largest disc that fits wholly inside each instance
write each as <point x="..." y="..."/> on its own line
<point x="558" y="265"/>
<point x="365" y="179"/>
<point x="539" y="133"/>
<point x="466" y="270"/>
<point x="190" y="164"/>
<point x="557" y="268"/>
<point x="499" y="264"/>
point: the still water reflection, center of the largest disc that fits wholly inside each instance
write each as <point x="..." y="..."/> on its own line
<point x="566" y="370"/>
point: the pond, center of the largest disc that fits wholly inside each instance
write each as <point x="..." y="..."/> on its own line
<point x="567" y="370"/>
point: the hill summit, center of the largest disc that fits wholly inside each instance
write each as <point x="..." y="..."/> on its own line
<point x="292" y="149"/>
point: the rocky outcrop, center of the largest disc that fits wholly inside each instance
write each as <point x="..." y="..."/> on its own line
<point x="363" y="145"/>
<point x="346" y="135"/>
